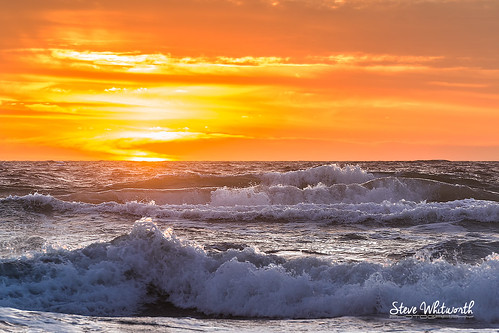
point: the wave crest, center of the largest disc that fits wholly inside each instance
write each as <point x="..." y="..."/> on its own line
<point x="326" y="174"/>
<point x="400" y="212"/>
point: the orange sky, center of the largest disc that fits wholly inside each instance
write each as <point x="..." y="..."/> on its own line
<point x="249" y="80"/>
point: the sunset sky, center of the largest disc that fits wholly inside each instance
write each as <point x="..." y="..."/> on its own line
<point x="249" y="79"/>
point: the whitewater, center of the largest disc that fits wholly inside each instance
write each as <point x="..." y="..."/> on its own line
<point x="249" y="246"/>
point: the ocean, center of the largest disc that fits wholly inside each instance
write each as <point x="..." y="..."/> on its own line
<point x="249" y="246"/>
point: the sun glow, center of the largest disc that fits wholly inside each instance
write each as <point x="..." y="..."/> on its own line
<point x="99" y="82"/>
<point x="147" y="159"/>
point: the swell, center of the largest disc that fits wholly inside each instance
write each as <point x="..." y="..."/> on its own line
<point x="323" y="184"/>
<point x="429" y="190"/>
<point x="326" y="184"/>
<point x="326" y="174"/>
<point x="189" y="180"/>
<point x="376" y="190"/>
<point x="149" y="266"/>
<point x="159" y="196"/>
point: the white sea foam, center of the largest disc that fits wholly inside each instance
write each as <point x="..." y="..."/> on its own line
<point x="326" y="174"/>
<point x="257" y="208"/>
<point x="319" y="193"/>
<point x="116" y="278"/>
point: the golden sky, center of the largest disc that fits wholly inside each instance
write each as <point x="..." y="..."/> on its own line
<point x="249" y="79"/>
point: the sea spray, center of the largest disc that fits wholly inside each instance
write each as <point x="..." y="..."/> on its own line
<point x="243" y="282"/>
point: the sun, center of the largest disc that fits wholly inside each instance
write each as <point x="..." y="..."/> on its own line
<point x="148" y="159"/>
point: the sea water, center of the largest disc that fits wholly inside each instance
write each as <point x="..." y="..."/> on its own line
<point x="249" y="246"/>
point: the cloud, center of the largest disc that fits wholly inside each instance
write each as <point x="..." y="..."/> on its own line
<point x="458" y="84"/>
<point x="255" y="28"/>
<point x="250" y="70"/>
<point x="136" y="144"/>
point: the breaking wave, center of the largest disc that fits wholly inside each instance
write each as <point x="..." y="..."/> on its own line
<point x="149" y="266"/>
<point x="258" y="209"/>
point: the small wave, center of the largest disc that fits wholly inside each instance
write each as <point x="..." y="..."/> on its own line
<point x="121" y="276"/>
<point x="160" y="196"/>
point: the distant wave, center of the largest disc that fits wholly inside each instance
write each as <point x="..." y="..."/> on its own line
<point x="146" y="266"/>
<point x="327" y="184"/>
